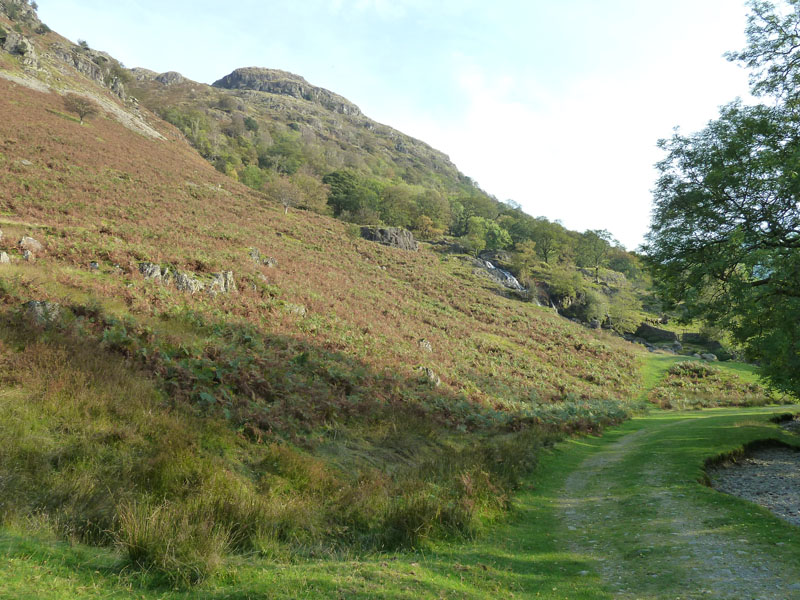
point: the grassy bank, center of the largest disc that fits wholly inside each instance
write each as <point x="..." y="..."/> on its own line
<point x="535" y="554"/>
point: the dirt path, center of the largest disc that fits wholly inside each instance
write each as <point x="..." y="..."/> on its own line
<point x="651" y="540"/>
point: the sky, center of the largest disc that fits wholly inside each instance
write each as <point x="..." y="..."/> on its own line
<point x="554" y="104"/>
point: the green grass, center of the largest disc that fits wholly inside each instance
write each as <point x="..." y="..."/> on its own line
<point x="529" y="556"/>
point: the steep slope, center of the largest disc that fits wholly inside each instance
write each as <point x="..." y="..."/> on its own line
<point x="321" y="391"/>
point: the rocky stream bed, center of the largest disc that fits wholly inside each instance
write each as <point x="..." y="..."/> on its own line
<point x="769" y="477"/>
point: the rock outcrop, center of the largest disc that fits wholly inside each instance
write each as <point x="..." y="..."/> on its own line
<point x="170" y="78"/>
<point x="220" y="283"/>
<point x="274" y="81"/>
<point x="42" y="312"/>
<point x="16" y="43"/>
<point x="396" y="237"/>
<point x="654" y="334"/>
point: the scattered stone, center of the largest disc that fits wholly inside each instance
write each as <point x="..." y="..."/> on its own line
<point x="28" y="256"/>
<point x="150" y="270"/>
<point x="768" y="476"/>
<point x="30" y="244"/>
<point x="425" y="345"/>
<point x="296" y="309"/>
<point x="42" y="312"/>
<point x="268" y="261"/>
<point x="430" y="376"/>
<point x="396" y="237"/>
<point x="4" y="259"/>
<point x="94" y="265"/>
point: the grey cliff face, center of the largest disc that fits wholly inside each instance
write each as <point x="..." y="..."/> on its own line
<point x="274" y="81"/>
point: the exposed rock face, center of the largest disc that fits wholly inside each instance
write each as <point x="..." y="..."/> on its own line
<point x="170" y="78"/>
<point x="222" y="283"/>
<point x="274" y="81"/>
<point x="140" y="74"/>
<point x="396" y="237"/>
<point x="42" y="313"/>
<point x="93" y="64"/>
<point x="654" y="334"/>
<point x="187" y="283"/>
<point x="18" y="44"/>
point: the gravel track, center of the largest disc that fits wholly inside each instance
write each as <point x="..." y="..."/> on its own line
<point x="676" y="549"/>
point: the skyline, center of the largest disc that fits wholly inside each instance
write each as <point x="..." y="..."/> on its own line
<point x="558" y="108"/>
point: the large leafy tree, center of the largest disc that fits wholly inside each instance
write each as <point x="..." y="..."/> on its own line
<point x="725" y="235"/>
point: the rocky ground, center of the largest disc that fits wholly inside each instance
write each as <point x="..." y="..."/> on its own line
<point x="769" y="477"/>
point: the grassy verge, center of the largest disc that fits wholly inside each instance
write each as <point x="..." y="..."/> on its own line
<point x="533" y="555"/>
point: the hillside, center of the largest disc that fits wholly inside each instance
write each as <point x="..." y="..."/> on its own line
<point x="316" y="367"/>
<point x="192" y="371"/>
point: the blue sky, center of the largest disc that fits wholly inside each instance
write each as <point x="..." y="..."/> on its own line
<point x="555" y="104"/>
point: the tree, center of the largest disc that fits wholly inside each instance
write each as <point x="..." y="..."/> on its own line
<point x="81" y="106"/>
<point x="725" y="236"/>
<point x="593" y="249"/>
<point x="314" y="192"/>
<point x="475" y="237"/>
<point x="773" y="41"/>
<point x="282" y="190"/>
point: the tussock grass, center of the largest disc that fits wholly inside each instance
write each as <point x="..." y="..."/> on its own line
<point x="696" y="384"/>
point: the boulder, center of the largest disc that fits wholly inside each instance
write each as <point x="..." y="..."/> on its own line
<point x="396" y="237"/>
<point x="594" y="324"/>
<point x="42" y="312"/>
<point x="30" y="244"/>
<point x="677" y="346"/>
<point x="4" y="259"/>
<point x="694" y="338"/>
<point x="654" y="334"/>
<point x="28" y="256"/>
<point x="709" y="357"/>
<point x="425" y="345"/>
<point x="150" y="270"/>
<point x="294" y="309"/>
<point x="429" y="375"/>
<point x="222" y="283"/>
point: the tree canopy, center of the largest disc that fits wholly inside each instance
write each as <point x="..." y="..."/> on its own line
<point x="725" y="234"/>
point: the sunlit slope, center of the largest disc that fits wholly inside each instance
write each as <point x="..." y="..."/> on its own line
<point x="100" y="192"/>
